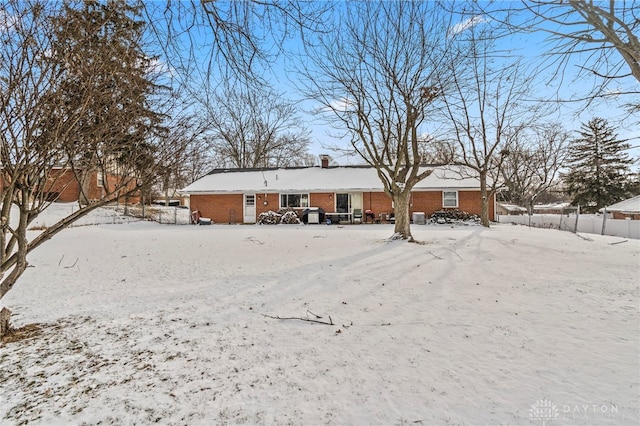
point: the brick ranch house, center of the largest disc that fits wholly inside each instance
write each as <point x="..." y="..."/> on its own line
<point x="63" y="186"/>
<point x="627" y="209"/>
<point x="240" y="195"/>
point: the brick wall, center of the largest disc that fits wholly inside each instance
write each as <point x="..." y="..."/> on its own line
<point x="471" y="202"/>
<point x="324" y="200"/>
<point x="427" y="202"/>
<point x="225" y="208"/>
<point x="632" y="216"/>
<point x="221" y="208"/>
<point x="63" y="183"/>
<point x="272" y="199"/>
<point x="379" y="202"/>
<point x="95" y="191"/>
<point x="431" y="201"/>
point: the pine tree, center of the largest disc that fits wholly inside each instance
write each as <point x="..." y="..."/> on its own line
<point x="104" y="87"/>
<point x="75" y="88"/>
<point x="599" y="167"/>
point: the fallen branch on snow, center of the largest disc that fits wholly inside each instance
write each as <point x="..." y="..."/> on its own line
<point x="618" y="242"/>
<point x="317" y="320"/>
<point x="74" y="263"/>
<point x="437" y="257"/>
<point x="584" y="238"/>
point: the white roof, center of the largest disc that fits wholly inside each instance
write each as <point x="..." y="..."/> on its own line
<point x="512" y="207"/>
<point x="631" y="205"/>
<point x="552" y="206"/>
<point x="318" y="179"/>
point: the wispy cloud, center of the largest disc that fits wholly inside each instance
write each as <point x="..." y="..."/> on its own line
<point x="342" y="104"/>
<point x="613" y="92"/>
<point x="465" y="25"/>
<point x="159" y="67"/>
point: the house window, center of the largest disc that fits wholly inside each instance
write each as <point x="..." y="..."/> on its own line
<point x="294" y="200"/>
<point x="449" y="198"/>
<point x="99" y="178"/>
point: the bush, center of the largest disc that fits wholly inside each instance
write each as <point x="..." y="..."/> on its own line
<point x="269" y="218"/>
<point x="453" y="215"/>
<point x="289" y="217"/>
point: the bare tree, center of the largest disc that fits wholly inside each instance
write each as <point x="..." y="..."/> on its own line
<point x="190" y="154"/>
<point x="73" y="95"/>
<point x="375" y="78"/>
<point x="487" y="109"/>
<point x="198" y="161"/>
<point x="533" y="164"/>
<point x="205" y="42"/>
<point x="600" y="36"/>
<point x="437" y="151"/>
<point x="255" y="128"/>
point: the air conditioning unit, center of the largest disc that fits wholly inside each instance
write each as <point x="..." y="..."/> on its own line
<point x="419" y="218"/>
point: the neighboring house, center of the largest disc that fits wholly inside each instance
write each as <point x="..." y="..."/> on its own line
<point x="509" y="209"/>
<point x="63" y="185"/>
<point x="629" y="208"/>
<point x="240" y="195"/>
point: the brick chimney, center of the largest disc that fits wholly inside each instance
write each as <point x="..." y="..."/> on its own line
<point x="325" y="161"/>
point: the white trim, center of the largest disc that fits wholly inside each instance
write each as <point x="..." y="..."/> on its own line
<point x="293" y="193"/>
<point x="249" y="210"/>
<point x="457" y="198"/>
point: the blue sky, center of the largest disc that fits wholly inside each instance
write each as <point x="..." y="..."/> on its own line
<point x="567" y="86"/>
<point x="533" y="47"/>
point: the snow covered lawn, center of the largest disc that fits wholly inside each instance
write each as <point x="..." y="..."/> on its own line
<point x="142" y="323"/>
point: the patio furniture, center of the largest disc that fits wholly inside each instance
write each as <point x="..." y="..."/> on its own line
<point x="339" y="217"/>
<point x="369" y="215"/>
<point x="357" y="215"/>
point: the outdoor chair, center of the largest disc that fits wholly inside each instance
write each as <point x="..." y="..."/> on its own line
<point x="357" y="215"/>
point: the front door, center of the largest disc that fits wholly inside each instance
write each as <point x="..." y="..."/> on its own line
<point x="249" y="208"/>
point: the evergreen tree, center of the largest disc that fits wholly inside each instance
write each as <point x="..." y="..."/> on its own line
<point x="105" y="86"/>
<point x="75" y="90"/>
<point x="599" y="168"/>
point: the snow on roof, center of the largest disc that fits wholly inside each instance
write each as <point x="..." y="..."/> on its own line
<point x="552" y="206"/>
<point x="318" y="179"/>
<point x="630" y="205"/>
<point x="512" y="207"/>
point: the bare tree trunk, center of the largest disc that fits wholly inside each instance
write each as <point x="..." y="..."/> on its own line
<point x="401" y="213"/>
<point x="484" y="193"/>
<point x="85" y="180"/>
<point x="5" y="315"/>
<point x="9" y="281"/>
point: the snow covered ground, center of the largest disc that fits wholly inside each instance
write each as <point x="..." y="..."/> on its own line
<point x="142" y="323"/>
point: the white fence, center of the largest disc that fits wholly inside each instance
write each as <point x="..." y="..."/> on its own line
<point x="160" y="214"/>
<point x="590" y="224"/>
